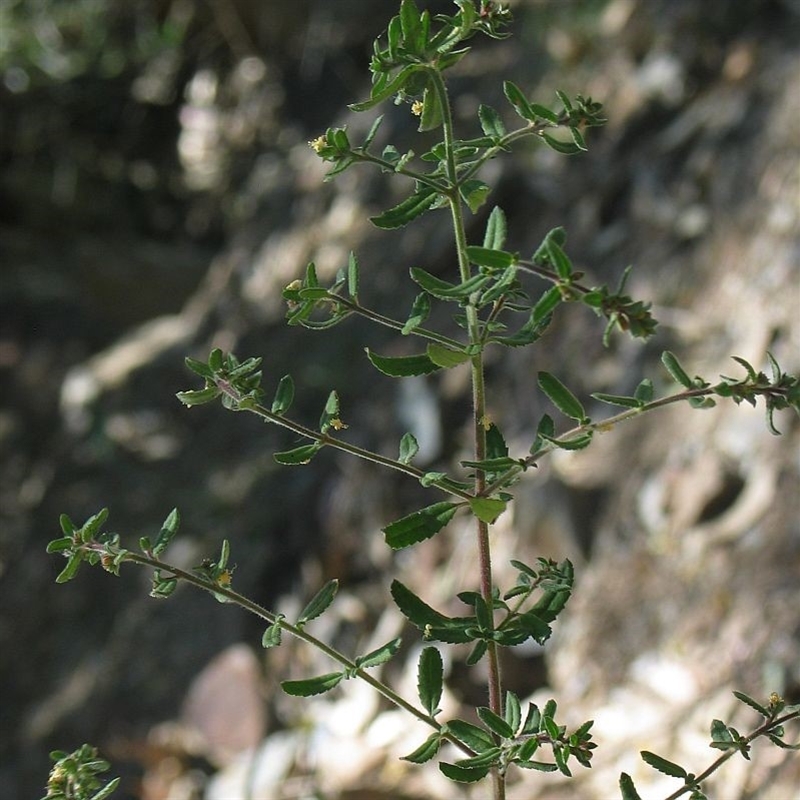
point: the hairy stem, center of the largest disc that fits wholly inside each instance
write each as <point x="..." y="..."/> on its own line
<point x="605" y="425"/>
<point x="478" y="406"/>
<point x="331" y="441"/>
<point x="396" y="325"/>
<point x="297" y="631"/>
<point x="763" y="730"/>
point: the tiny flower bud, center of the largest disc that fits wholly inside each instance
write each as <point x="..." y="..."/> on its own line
<point x="416" y="108"/>
<point x="317" y="144"/>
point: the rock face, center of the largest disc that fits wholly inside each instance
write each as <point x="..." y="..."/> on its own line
<point x="683" y="525"/>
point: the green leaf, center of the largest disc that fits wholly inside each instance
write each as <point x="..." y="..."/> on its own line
<point x="472" y="736"/>
<point x="505" y="286"/>
<point x="617" y="400"/>
<point x="577" y="138"/>
<point x="409" y="20"/>
<point x="627" y="788"/>
<point x="544" y="113"/>
<point x="540" y="766"/>
<point x="299" y="455"/>
<point x="548" y="722"/>
<point x="240" y="370"/>
<point x="57" y="545"/>
<point x="500" y="464"/>
<point x="394" y="36"/>
<point x="372" y="133"/>
<point x="341" y="164"/>
<point x="197" y="397"/>
<point x="567" y="148"/>
<point x="513" y="712"/>
<point x="644" y="391"/>
<point x="429" y="620"/>
<point x="477" y="653"/>
<point x="404" y="212"/>
<point x="420" y="309"/>
<point x="495" y="723"/>
<point x="420" y="525"/>
<point x="533" y="721"/>
<point x="432" y="112"/>
<point x="555" y="237"/>
<point x="496" y="446"/>
<point x="487" y="509"/>
<point x="380" y="655"/>
<point x="430" y="679"/>
<point x="561" y="755"/>
<point x="747" y="700"/>
<point x="561" y="397"/>
<point x="491" y="124"/>
<point x="495" y="236"/>
<point x="778" y="742"/>
<point x="670" y="361"/>
<point x="546" y="303"/>
<point x="663" y="765"/>
<point x="272" y="636"/>
<point x="409" y="447"/>
<point x="162" y="587"/>
<point x="524" y="568"/>
<point x="463" y="774"/>
<point x="579" y="442"/>
<point x="517" y="99"/>
<point x="402" y="366"/>
<point x="215" y="360"/>
<point x="199" y="367"/>
<point x="558" y="258"/>
<point x="447" y="291"/>
<point x="67" y="525"/>
<point x="168" y="530"/>
<point x="488" y="758"/>
<point x="388" y="89"/>
<point x="564" y="99"/>
<point x="429" y="478"/>
<point x="527" y="334"/>
<point x="545" y="431"/>
<point x="107" y="790"/>
<point x="284" y="395"/>
<point x="93" y="525"/>
<point x="474" y="192"/>
<point x="313" y="293"/>
<point x="224" y="554"/>
<point x="490" y="257"/>
<point x="319" y="603"/>
<point x="426" y="751"/>
<point x="330" y="414"/>
<point x="721" y="736"/>
<point x="446" y="357"/>
<point x="69" y="572"/>
<point x="312" y="686"/>
<point x="352" y="275"/>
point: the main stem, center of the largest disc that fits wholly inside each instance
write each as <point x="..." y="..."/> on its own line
<point x="478" y="404"/>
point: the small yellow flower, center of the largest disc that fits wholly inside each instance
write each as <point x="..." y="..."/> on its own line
<point x="416" y="108"/>
<point x="225" y="578"/>
<point x="317" y="144"/>
<point x="486" y="421"/>
<point x="337" y="424"/>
